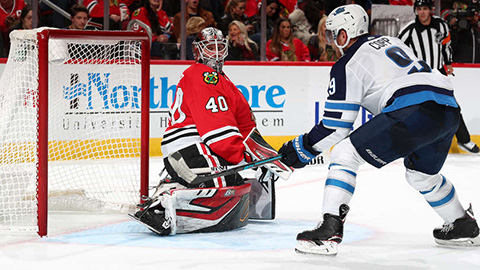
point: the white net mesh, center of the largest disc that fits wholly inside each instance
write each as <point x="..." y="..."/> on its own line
<point x="94" y="127"/>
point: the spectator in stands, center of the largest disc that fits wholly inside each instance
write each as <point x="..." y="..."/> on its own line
<point x="193" y="27"/>
<point x="163" y="44"/>
<point x="284" y="46"/>
<point x="319" y="49"/>
<point x="133" y="5"/>
<point x="172" y="7"/>
<point x="235" y="10"/>
<point x="240" y="46"/>
<point x="26" y="19"/>
<point x="288" y="6"/>
<point x="216" y="7"/>
<point x="50" y="17"/>
<point x="3" y="54"/>
<point x="252" y="8"/>
<point x="314" y="10"/>
<point x="401" y="2"/>
<point x="300" y="26"/>
<point x="10" y="11"/>
<point x="273" y="13"/>
<point x="465" y="34"/>
<point x="118" y="13"/>
<point x="79" y="17"/>
<point x="330" y="5"/>
<point x="429" y="38"/>
<point x="193" y="10"/>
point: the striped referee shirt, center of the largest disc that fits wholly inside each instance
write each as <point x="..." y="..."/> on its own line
<point x="431" y="43"/>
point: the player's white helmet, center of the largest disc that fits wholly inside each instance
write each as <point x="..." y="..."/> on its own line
<point x="210" y="48"/>
<point x="351" y="18"/>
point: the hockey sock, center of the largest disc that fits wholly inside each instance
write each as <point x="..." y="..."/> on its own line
<point x="439" y="193"/>
<point x="444" y="200"/>
<point x="339" y="188"/>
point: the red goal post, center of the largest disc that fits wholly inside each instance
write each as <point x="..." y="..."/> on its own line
<point x="88" y="134"/>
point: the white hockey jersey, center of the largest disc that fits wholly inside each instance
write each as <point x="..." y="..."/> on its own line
<point x="380" y="74"/>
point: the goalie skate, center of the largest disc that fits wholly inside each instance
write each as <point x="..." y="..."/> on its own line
<point x="155" y="220"/>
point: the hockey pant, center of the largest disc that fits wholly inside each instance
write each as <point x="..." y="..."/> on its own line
<point x="421" y="134"/>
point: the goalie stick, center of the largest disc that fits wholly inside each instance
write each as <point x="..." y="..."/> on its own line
<point x="197" y="179"/>
<point x="191" y="177"/>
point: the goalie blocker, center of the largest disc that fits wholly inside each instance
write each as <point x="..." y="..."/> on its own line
<point x="218" y="203"/>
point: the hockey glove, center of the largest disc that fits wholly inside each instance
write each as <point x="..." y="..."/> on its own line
<point x="297" y="152"/>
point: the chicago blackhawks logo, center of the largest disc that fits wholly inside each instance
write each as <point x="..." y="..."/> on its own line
<point x="210" y="77"/>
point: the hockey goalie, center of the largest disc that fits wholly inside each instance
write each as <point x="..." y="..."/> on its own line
<point x="210" y="127"/>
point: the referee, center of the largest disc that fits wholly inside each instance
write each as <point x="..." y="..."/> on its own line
<point x="429" y="38"/>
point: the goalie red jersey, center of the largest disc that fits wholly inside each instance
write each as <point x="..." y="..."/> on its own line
<point x="14" y="12"/>
<point x="208" y="108"/>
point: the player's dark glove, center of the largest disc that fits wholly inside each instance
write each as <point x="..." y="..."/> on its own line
<point x="297" y="152"/>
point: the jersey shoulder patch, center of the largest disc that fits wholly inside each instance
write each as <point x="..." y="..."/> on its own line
<point x="137" y="12"/>
<point x="210" y="77"/>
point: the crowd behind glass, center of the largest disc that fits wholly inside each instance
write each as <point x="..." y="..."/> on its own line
<point x="294" y="29"/>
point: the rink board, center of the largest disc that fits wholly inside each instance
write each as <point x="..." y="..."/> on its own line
<point x="286" y="98"/>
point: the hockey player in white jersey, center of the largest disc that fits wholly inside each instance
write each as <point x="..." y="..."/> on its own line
<point x="415" y="118"/>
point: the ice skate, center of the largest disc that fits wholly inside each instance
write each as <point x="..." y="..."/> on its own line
<point x="154" y="219"/>
<point x="462" y="232"/>
<point x="469" y="147"/>
<point x="323" y="240"/>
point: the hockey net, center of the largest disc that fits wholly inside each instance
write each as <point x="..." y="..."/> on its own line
<point x="73" y="124"/>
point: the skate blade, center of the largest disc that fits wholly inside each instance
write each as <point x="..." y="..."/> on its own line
<point x="328" y="248"/>
<point x="132" y="216"/>
<point x="465" y="242"/>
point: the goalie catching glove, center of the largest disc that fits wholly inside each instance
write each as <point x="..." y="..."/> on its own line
<point x="297" y="152"/>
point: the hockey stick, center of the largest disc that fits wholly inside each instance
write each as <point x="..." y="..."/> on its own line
<point x="189" y="175"/>
<point x="203" y="178"/>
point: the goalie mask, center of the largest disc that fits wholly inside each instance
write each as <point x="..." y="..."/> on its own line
<point x="210" y="48"/>
<point x="351" y="18"/>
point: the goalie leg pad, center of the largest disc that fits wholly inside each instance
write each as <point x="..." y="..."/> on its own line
<point x="212" y="209"/>
<point x="197" y="210"/>
<point x="262" y="195"/>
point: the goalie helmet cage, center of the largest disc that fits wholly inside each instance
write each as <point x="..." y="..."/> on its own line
<point x="83" y="137"/>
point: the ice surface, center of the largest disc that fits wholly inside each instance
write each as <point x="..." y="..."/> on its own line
<point x="389" y="227"/>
